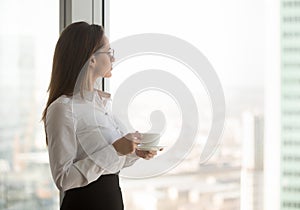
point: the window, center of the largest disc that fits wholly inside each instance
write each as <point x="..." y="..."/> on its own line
<point x="225" y="33"/>
<point x="29" y="31"/>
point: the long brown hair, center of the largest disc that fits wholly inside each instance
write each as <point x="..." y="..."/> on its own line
<point x="75" y="46"/>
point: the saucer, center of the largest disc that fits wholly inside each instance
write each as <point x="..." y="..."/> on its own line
<point x="150" y="148"/>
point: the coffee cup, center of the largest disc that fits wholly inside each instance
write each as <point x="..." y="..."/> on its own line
<point x="150" y="139"/>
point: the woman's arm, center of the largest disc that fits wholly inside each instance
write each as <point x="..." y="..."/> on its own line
<point x="130" y="158"/>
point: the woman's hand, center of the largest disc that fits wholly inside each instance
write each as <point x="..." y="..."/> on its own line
<point x="146" y="154"/>
<point x="128" y="143"/>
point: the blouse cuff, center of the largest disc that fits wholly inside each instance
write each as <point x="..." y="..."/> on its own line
<point x="131" y="159"/>
<point x="108" y="159"/>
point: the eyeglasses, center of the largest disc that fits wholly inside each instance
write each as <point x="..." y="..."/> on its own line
<point x="110" y="53"/>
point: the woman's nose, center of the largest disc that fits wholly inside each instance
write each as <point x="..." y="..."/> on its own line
<point x="112" y="59"/>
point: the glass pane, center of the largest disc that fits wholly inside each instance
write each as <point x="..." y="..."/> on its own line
<point x="227" y="35"/>
<point x="29" y="31"/>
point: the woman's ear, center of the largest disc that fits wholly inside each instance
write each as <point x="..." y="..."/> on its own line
<point x="92" y="61"/>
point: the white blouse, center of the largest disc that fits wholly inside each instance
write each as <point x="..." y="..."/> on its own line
<point x="80" y="134"/>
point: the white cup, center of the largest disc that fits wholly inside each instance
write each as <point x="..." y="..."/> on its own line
<point x="150" y="139"/>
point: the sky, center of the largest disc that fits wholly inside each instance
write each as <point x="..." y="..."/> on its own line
<point x="226" y="32"/>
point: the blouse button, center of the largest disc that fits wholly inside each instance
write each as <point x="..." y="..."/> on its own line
<point x="106" y="113"/>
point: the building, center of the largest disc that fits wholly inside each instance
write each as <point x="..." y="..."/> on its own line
<point x="282" y="151"/>
<point x="290" y="109"/>
<point x="252" y="162"/>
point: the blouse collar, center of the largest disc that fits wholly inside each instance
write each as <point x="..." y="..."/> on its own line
<point x="90" y="95"/>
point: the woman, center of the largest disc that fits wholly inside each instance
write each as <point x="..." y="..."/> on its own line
<point x="86" y="145"/>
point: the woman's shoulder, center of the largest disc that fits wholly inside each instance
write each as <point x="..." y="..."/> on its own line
<point x="59" y="113"/>
<point x="63" y="99"/>
<point x="60" y="104"/>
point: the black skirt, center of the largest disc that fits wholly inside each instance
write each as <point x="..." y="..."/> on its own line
<point x="104" y="193"/>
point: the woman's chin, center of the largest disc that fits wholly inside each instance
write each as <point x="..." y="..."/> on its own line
<point x="108" y="75"/>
